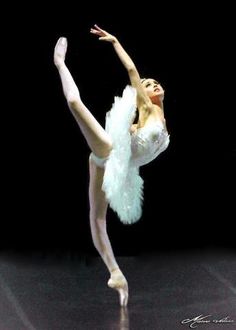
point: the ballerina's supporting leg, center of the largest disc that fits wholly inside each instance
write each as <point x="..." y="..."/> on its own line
<point x="95" y="135"/>
<point x="98" y="210"/>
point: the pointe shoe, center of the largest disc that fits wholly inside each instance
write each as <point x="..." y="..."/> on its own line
<point x="60" y="51"/>
<point x="118" y="282"/>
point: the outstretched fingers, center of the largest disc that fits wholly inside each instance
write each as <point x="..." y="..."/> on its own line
<point x="98" y="28"/>
<point x="98" y="31"/>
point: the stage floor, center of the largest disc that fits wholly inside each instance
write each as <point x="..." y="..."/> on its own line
<point x="168" y="291"/>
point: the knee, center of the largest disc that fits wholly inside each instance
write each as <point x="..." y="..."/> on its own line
<point x="72" y="99"/>
<point x="72" y="103"/>
<point x="98" y="222"/>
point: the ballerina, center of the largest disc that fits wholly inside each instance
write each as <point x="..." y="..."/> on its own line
<point x="117" y="151"/>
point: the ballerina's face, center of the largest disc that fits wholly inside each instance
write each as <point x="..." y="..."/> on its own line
<point x="153" y="88"/>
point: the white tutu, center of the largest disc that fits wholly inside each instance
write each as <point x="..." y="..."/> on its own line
<point x="122" y="184"/>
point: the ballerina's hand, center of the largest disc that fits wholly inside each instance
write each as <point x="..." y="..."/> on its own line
<point x="102" y="34"/>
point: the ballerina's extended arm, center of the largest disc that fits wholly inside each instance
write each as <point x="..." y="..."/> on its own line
<point x="142" y="98"/>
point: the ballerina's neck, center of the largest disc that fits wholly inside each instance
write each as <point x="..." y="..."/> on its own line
<point x="156" y="117"/>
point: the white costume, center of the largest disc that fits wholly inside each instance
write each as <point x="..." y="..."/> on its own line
<point x="122" y="183"/>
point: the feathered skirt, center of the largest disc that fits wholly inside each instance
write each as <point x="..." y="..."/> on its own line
<point x="122" y="183"/>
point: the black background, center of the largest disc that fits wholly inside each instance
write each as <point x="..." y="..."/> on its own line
<point x="189" y="196"/>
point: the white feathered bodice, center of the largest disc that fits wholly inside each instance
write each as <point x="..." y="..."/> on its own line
<point x="148" y="142"/>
